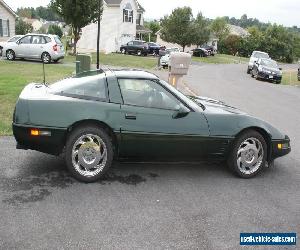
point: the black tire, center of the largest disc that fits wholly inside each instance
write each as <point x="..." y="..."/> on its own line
<point x="139" y="52"/>
<point x="248" y="71"/>
<point x="233" y="157"/>
<point x="72" y="139"/>
<point x="46" y="58"/>
<point x="10" y="55"/>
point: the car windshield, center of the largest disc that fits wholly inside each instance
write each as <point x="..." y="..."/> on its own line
<point x="260" y="55"/>
<point x="269" y="63"/>
<point x="14" y="39"/>
<point x="189" y="101"/>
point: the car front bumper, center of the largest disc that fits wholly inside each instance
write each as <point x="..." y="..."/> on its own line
<point x="280" y="148"/>
<point x="52" y="142"/>
<point x="270" y="77"/>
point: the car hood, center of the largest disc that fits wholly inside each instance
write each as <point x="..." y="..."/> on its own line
<point x="272" y="69"/>
<point x="216" y="106"/>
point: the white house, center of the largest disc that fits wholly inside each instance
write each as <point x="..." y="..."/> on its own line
<point x="7" y="21"/>
<point x="122" y="21"/>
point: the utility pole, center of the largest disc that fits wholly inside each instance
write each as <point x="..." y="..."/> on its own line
<point x="98" y="35"/>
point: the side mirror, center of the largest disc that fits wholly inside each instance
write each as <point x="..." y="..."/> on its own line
<point x="181" y="112"/>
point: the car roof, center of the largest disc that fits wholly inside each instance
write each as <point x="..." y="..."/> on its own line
<point x="133" y="73"/>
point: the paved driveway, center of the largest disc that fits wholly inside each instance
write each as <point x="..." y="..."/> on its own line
<point x="157" y="206"/>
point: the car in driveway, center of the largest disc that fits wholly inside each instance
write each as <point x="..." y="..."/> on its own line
<point x="254" y="58"/>
<point x="153" y="48"/>
<point x="43" y="47"/>
<point x="101" y="116"/>
<point x="267" y="69"/>
<point x="3" y="44"/>
<point x="137" y="47"/>
<point x="200" y="52"/>
<point x="165" y="59"/>
<point x="298" y="72"/>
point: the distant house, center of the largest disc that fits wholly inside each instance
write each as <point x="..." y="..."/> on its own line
<point x="7" y="21"/>
<point x="35" y="23"/>
<point x="122" y="21"/>
<point x="237" y="30"/>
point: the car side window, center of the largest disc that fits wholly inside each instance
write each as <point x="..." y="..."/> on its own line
<point x="147" y="93"/>
<point x="91" y="88"/>
<point x="48" y="39"/>
<point x="130" y="43"/>
<point x="25" y="40"/>
<point x="37" y="40"/>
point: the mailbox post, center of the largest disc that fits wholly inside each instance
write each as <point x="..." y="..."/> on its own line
<point x="178" y="67"/>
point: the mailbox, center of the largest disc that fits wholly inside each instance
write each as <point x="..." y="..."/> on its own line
<point x="179" y="63"/>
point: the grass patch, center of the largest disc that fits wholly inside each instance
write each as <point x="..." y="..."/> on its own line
<point x="289" y="77"/>
<point x="120" y="60"/>
<point x="14" y="76"/>
<point x="221" y="59"/>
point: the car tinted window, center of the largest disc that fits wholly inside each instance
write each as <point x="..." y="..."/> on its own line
<point x="147" y="93"/>
<point x="130" y="43"/>
<point x="92" y="87"/>
<point x="25" y="40"/>
<point x="37" y="40"/>
<point x="260" y="55"/>
<point x="57" y="40"/>
<point x="48" y="39"/>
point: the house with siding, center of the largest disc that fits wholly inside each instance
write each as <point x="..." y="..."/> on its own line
<point x="7" y="21"/>
<point x="122" y="21"/>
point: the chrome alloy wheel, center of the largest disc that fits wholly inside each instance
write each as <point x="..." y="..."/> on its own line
<point x="10" y="55"/>
<point x="250" y="156"/>
<point x="89" y="155"/>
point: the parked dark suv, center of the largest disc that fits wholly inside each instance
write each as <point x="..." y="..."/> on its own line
<point x="299" y="72"/>
<point x="154" y="48"/>
<point x="135" y="47"/>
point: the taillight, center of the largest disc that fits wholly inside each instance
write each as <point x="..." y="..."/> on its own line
<point x="55" y="48"/>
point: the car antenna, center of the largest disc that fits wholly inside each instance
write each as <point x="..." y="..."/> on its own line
<point x="44" y="74"/>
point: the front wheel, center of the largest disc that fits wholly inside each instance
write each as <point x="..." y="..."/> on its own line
<point x="139" y="52"/>
<point x="248" y="155"/>
<point x="89" y="153"/>
<point x="10" y="55"/>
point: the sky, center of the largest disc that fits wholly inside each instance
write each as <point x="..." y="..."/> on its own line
<point x="286" y="12"/>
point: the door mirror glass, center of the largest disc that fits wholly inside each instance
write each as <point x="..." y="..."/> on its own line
<point x="181" y="112"/>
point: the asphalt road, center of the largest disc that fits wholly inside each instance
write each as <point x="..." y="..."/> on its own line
<point x="157" y="206"/>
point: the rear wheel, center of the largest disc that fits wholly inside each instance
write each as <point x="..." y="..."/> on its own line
<point x="123" y="51"/>
<point x="10" y="55"/>
<point x="89" y="153"/>
<point x="46" y="58"/>
<point x="248" y="71"/>
<point x="248" y="155"/>
<point x="139" y="52"/>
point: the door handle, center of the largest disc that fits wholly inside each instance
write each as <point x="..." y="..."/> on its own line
<point x="130" y="116"/>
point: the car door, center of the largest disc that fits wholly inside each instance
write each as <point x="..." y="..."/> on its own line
<point x="22" y="49"/>
<point x="37" y="46"/>
<point x="130" y="47"/>
<point x="149" y="129"/>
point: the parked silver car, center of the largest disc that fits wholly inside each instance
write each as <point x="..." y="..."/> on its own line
<point x="11" y="40"/>
<point x="36" y="46"/>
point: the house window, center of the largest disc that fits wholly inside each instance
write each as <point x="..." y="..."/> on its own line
<point x="128" y="14"/>
<point x="5" y="27"/>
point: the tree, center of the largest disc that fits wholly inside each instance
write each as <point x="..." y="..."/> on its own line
<point x="77" y="14"/>
<point x="201" y="31"/>
<point x="23" y="28"/>
<point x="219" y="28"/>
<point x="154" y="26"/>
<point x="55" y="30"/>
<point x="232" y="43"/>
<point x="178" y="27"/>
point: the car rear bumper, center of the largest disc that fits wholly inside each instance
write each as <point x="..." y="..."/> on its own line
<point x="280" y="148"/>
<point x="52" y="142"/>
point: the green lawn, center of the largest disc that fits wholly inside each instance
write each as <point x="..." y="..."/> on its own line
<point x="290" y="78"/>
<point x="120" y="60"/>
<point x="14" y="76"/>
<point x="221" y="59"/>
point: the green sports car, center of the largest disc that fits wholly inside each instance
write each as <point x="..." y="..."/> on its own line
<point x="99" y="116"/>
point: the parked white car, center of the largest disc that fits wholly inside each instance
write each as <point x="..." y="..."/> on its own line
<point x="165" y="60"/>
<point x="254" y="58"/>
<point x="47" y="48"/>
<point x="3" y="44"/>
